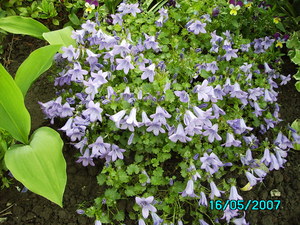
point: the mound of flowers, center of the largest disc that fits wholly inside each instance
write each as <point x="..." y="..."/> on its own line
<point x="172" y="102"/>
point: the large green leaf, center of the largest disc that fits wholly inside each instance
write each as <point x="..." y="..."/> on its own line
<point x="14" y="117"/>
<point x="62" y="36"/>
<point x="23" y="25"/>
<point x="38" y="62"/>
<point x="40" y="166"/>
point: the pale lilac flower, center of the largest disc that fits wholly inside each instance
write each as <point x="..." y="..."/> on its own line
<point x="184" y="97"/>
<point x="203" y="91"/>
<point x="125" y="64"/>
<point x="202" y="222"/>
<point x="151" y="43"/>
<point x="285" y="79"/>
<point x="248" y="160"/>
<point x="159" y="22"/>
<point x="86" y="159"/>
<point x="214" y="190"/>
<point x="145" y="203"/>
<point x="252" y="179"/>
<point x="129" y="8"/>
<point x="132" y="118"/>
<point x="245" y="47"/>
<point x="254" y="93"/>
<point x="92" y="87"/>
<point x="189" y="190"/>
<point x="234" y="194"/>
<point x="122" y="48"/>
<point x="274" y="163"/>
<point x="210" y="163"/>
<point x="215" y="39"/>
<point x="93" y="111"/>
<point x="66" y="110"/>
<point x="241" y="221"/>
<point x="148" y="72"/>
<point x="117" y="117"/>
<point x="89" y="26"/>
<point x="70" y="53"/>
<point x="260" y="172"/>
<point x="142" y="222"/>
<point x="266" y="157"/>
<point x="231" y="141"/>
<point x="246" y="68"/>
<point x="130" y="139"/>
<point x="156" y="128"/>
<point x="258" y="111"/>
<point x="227" y="87"/>
<point x="212" y="133"/>
<point x="217" y="111"/>
<point x="179" y="135"/>
<point x="80" y="145"/>
<point x="267" y="42"/>
<point x="116" y="152"/>
<point x="197" y="27"/>
<point x="110" y="92"/>
<point x="156" y="219"/>
<point x="145" y="120"/>
<point x="237" y="92"/>
<point x="197" y="175"/>
<point x="229" y="213"/>
<point x="203" y="199"/>
<point x="77" y="73"/>
<point x="117" y="18"/>
<point x="160" y="115"/>
<point x="212" y="67"/>
<point x="98" y="222"/>
<point x="99" y="147"/>
<point x="218" y="92"/>
<point x="231" y="53"/>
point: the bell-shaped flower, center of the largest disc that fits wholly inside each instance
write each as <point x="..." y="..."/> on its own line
<point x="197" y="27"/>
<point x="99" y="147"/>
<point x="156" y="219"/>
<point x="203" y="91"/>
<point x="160" y="115"/>
<point x="203" y="199"/>
<point x="156" y="128"/>
<point x="179" y="135"/>
<point x="86" y="159"/>
<point x="145" y="203"/>
<point x="252" y="179"/>
<point x="116" y="152"/>
<point x="132" y="118"/>
<point x="214" y="190"/>
<point x="117" y="117"/>
<point x="93" y="111"/>
<point x="234" y="194"/>
<point x="231" y="141"/>
<point x="184" y="97"/>
<point x="148" y="72"/>
<point x="189" y="190"/>
<point x="145" y="120"/>
<point x="125" y="64"/>
<point x="210" y="163"/>
<point x="212" y="133"/>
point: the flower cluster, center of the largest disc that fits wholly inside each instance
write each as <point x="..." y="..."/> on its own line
<point x="207" y="96"/>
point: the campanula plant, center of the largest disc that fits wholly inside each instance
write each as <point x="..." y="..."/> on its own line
<point x="171" y="102"/>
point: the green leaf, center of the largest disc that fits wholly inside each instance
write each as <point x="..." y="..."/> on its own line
<point x="138" y="158"/>
<point x="170" y="97"/>
<point x="112" y="194"/>
<point x="297" y="86"/>
<point x="14" y="117"/>
<point x="40" y="166"/>
<point x="123" y="177"/>
<point x="45" y="6"/>
<point x="120" y="215"/>
<point x="23" y="25"/>
<point x="129" y="191"/>
<point x="37" y="63"/>
<point x="101" y="178"/>
<point x="296" y="58"/>
<point x="61" y="37"/>
<point x="293" y="42"/>
<point x="55" y="22"/>
<point x="74" y="19"/>
<point x="296" y="126"/>
<point x="143" y="178"/>
<point x="133" y="169"/>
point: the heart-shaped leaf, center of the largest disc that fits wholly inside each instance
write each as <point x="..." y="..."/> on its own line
<point x="40" y="166"/>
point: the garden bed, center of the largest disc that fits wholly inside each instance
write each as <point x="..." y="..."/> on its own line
<point x="82" y="187"/>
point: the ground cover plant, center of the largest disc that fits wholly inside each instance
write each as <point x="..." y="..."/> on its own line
<point x="183" y="86"/>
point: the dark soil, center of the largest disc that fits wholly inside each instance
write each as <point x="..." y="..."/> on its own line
<point x="82" y="187"/>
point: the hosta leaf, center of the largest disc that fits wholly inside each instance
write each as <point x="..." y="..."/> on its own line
<point x="40" y="166"/>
